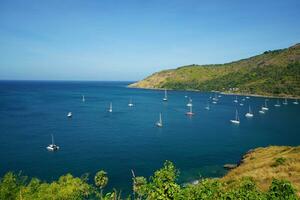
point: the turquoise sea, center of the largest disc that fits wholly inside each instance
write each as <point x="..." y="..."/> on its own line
<point x="127" y="138"/>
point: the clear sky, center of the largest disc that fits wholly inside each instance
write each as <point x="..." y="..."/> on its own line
<point x="131" y="39"/>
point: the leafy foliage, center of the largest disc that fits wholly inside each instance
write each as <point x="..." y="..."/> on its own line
<point x="101" y="179"/>
<point x="281" y="190"/>
<point x="162" y="186"/>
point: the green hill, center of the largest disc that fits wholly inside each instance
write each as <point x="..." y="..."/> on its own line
<point x="273" y="73"/>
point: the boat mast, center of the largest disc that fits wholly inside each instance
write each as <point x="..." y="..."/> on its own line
<point x="166" y="96"/>
<point x="266" y="103"/>
<point x="160" y="120"/>
<point x="52" y="139"/>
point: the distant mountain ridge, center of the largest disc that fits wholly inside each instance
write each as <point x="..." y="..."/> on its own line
<point x="272" y="73"/>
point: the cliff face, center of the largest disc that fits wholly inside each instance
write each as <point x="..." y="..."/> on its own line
<point x="271" y="73"/>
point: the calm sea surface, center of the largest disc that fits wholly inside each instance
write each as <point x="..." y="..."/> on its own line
<point x="30" y="111"/>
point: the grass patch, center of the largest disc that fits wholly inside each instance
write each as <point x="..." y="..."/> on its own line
<point x="271" y="162"/>
<point x="278" y="161"/>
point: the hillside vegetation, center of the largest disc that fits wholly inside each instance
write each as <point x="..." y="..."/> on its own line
<point x="265" y="164"/>
<point x="273" y="73"/>
<point x="266" y="173"/>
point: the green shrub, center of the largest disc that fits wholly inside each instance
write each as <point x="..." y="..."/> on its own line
<point x="278" y="161"/>
<point x="281" y="190"/>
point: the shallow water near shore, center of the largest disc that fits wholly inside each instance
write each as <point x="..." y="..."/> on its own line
<point x="127" y="138"/>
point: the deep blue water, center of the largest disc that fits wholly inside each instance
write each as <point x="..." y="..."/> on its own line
<point x="30" y="111"/>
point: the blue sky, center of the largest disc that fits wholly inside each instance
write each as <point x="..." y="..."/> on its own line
<point x="131" y="39"/>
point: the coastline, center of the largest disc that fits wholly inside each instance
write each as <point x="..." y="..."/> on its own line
<point x="262" y="165"/>
<point x="224" y="93"/>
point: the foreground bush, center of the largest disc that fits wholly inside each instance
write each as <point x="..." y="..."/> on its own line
<point x="162" y="185"/>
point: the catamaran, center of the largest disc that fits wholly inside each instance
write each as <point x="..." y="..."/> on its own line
<point x="69" y="114"/>
<point x="130" y="104"/>
<point x="190" y="112"/>
<point x="236" y="100"/>
<point x="110" y="107"/>
<point x="52" y="147"/>
<point x="277" y="104"/>
<point x="265" y="107"/>
<point x="159" y="123"/>
<point x="285" y="102"/>
<point x="249" y="113"/>
<point x="166" y="96"/>
<point x="236" y="120"/>
<point x="295" y="102"/>
<point x="83" y="99"/>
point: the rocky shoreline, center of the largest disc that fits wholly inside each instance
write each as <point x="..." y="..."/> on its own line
<point x="223" y="93"/>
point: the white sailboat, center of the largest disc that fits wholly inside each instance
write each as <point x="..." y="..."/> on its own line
<point x="130" y="104"/>
<point x="215" y="98"/>
<point x="189" y="104"/>
<point x="110" y="107"/>
<point x="262" y="111"/>
<point x="296" y="102"/>
<point x="277" y="104"/>
<point x="190" y="112"/>
<point x="285" y="102"/>
<point x="83" y="99"/>
<point x="69" y="114"/>
<point x="52" y="147"/>
<point x="159" y="123"/>
<point x="236" y="120"/>
<point x="247" y="97"/>
<point x="166" y="96"/>
<point x="249" y="113"/>
<point x="207" y="107"/>
<point x="265" y="107"/>
<point x="241" y="104"/>
<point x="236" y="100"/>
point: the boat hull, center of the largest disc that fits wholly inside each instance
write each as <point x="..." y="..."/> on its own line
<point x="235" y="121"/>
<point x="189" y="113"/>
<point x="249" y="115"/>
<point x="158" y="124"/>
